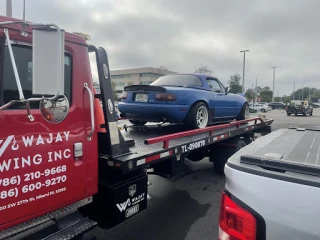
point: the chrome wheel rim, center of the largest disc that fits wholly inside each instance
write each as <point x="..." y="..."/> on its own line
<point x="246" y="112"/>
<point x="202" y="117"/>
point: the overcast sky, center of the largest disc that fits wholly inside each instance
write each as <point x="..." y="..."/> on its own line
<point x="182" y="34"/>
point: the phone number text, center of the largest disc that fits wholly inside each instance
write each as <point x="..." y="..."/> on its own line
<point x="16" y="180"/>
<point x="14" y="192"/>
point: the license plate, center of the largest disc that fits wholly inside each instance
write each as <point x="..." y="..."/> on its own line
<point x="141" y="97"/>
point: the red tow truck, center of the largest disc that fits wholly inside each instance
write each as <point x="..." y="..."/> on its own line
<point x="65" y="167"/>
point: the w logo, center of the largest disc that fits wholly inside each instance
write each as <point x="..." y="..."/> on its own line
<point x="123" y="206"/>
<point x="4" y="144"/>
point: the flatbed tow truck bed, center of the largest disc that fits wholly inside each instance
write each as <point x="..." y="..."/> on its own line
<point x="153" y="143"/>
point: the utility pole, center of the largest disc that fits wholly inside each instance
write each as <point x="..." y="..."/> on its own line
<point x="9" y="8"/>
<point x="256" y="89"/>
<point x="294" y="90"/>
<point x="252" y="96"/>
<point x="244" y="66"/>
<point x="274" y="79"/>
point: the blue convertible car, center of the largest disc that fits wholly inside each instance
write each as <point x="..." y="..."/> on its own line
<point x="194" y="99"/>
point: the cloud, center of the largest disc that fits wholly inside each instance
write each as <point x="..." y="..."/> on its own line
<point x="183" y="34"/>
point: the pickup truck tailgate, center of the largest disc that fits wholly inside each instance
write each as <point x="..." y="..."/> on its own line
<point x="278" y="177"/>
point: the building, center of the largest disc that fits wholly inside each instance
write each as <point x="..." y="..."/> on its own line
<point x="125" y="77"/>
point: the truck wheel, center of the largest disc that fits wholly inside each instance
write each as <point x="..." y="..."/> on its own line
<point x="288" y="114"/>
<point x="263" y="110"/>
<point x="137" y="123"/>
<point x="311" y="113"/>
<point x="304" y="114"/>
<point x="220" y="156"/>
<point x="244" y="113"/>
<point x="198" y="116"/>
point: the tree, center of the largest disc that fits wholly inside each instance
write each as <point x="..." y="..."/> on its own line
<point x="114" y="91"/>
<point x="266" y="94"/>
<point x="162" y="67"/>
<point x="204" y="69"/>
<point x="277" y="99"/>
<point x="234" y="83"/>
<point x="258" y="89"/>
<point x="250" y="95"/>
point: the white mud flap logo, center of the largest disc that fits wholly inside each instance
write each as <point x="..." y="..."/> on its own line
<point x="4" y="144"/>
<point x="132" y="190"/>
<point x="133" y="210"/>
<point x="123" y="206"/>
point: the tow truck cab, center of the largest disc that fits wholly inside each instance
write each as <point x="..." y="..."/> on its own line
<point x="45" y="163"/>
<point x="49" y="151"/>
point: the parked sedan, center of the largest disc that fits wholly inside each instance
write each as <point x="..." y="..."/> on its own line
<point x="260" y="107"/>
<point x="194" y="99"/>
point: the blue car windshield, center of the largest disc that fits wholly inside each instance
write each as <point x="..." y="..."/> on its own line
<point x="178" y="80"/>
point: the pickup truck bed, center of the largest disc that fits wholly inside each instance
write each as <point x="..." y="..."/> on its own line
<point x="277" y="179"/>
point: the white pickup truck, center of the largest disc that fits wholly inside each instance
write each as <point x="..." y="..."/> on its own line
<point x="272" y="188"/>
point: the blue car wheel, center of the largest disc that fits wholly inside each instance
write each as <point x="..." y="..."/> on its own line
<point x="198" y="116"/>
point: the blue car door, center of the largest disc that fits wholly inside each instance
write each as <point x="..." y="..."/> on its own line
<point x="224" y="104"/>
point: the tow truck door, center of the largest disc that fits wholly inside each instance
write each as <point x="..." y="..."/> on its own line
<point x="42" y="165"/>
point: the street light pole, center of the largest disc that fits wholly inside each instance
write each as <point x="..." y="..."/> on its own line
<point x="294" y="90"/>
<point x="274" y="79"/>
<point x="244" y="66"/>
<point x="256" y="89"/>
<point x="9" y="8"/>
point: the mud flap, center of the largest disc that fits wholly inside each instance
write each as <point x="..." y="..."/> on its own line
<point x="116" y="202"/>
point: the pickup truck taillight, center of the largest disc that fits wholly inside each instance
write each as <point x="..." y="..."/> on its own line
<point x="235" y="223"/>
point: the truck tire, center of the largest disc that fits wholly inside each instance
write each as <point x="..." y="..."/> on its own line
<point x="137" y="123"/>
<point x="220" y="155"/>
<point x="198" y="116"/>
<point x="304" y="114"/>
<point x="311" y="113"/>
<point x="244" y="113"/>
<point x="288" y="114"/>
<point x="263" y="110"/>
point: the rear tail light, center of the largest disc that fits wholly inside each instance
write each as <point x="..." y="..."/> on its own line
<point x="235" y="223"/>
<point x="166" y="97"/>
<point x="124" y="95"/>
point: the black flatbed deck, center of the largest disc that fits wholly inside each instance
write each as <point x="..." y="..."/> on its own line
<point x="143" y="153"/>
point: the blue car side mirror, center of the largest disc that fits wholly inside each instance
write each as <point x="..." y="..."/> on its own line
<point x="227" y="90"/>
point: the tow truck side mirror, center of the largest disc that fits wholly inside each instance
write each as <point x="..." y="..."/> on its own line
<point x="48" y="62"/>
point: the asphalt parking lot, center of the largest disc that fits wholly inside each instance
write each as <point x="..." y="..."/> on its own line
<point x="188" y="207"/>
